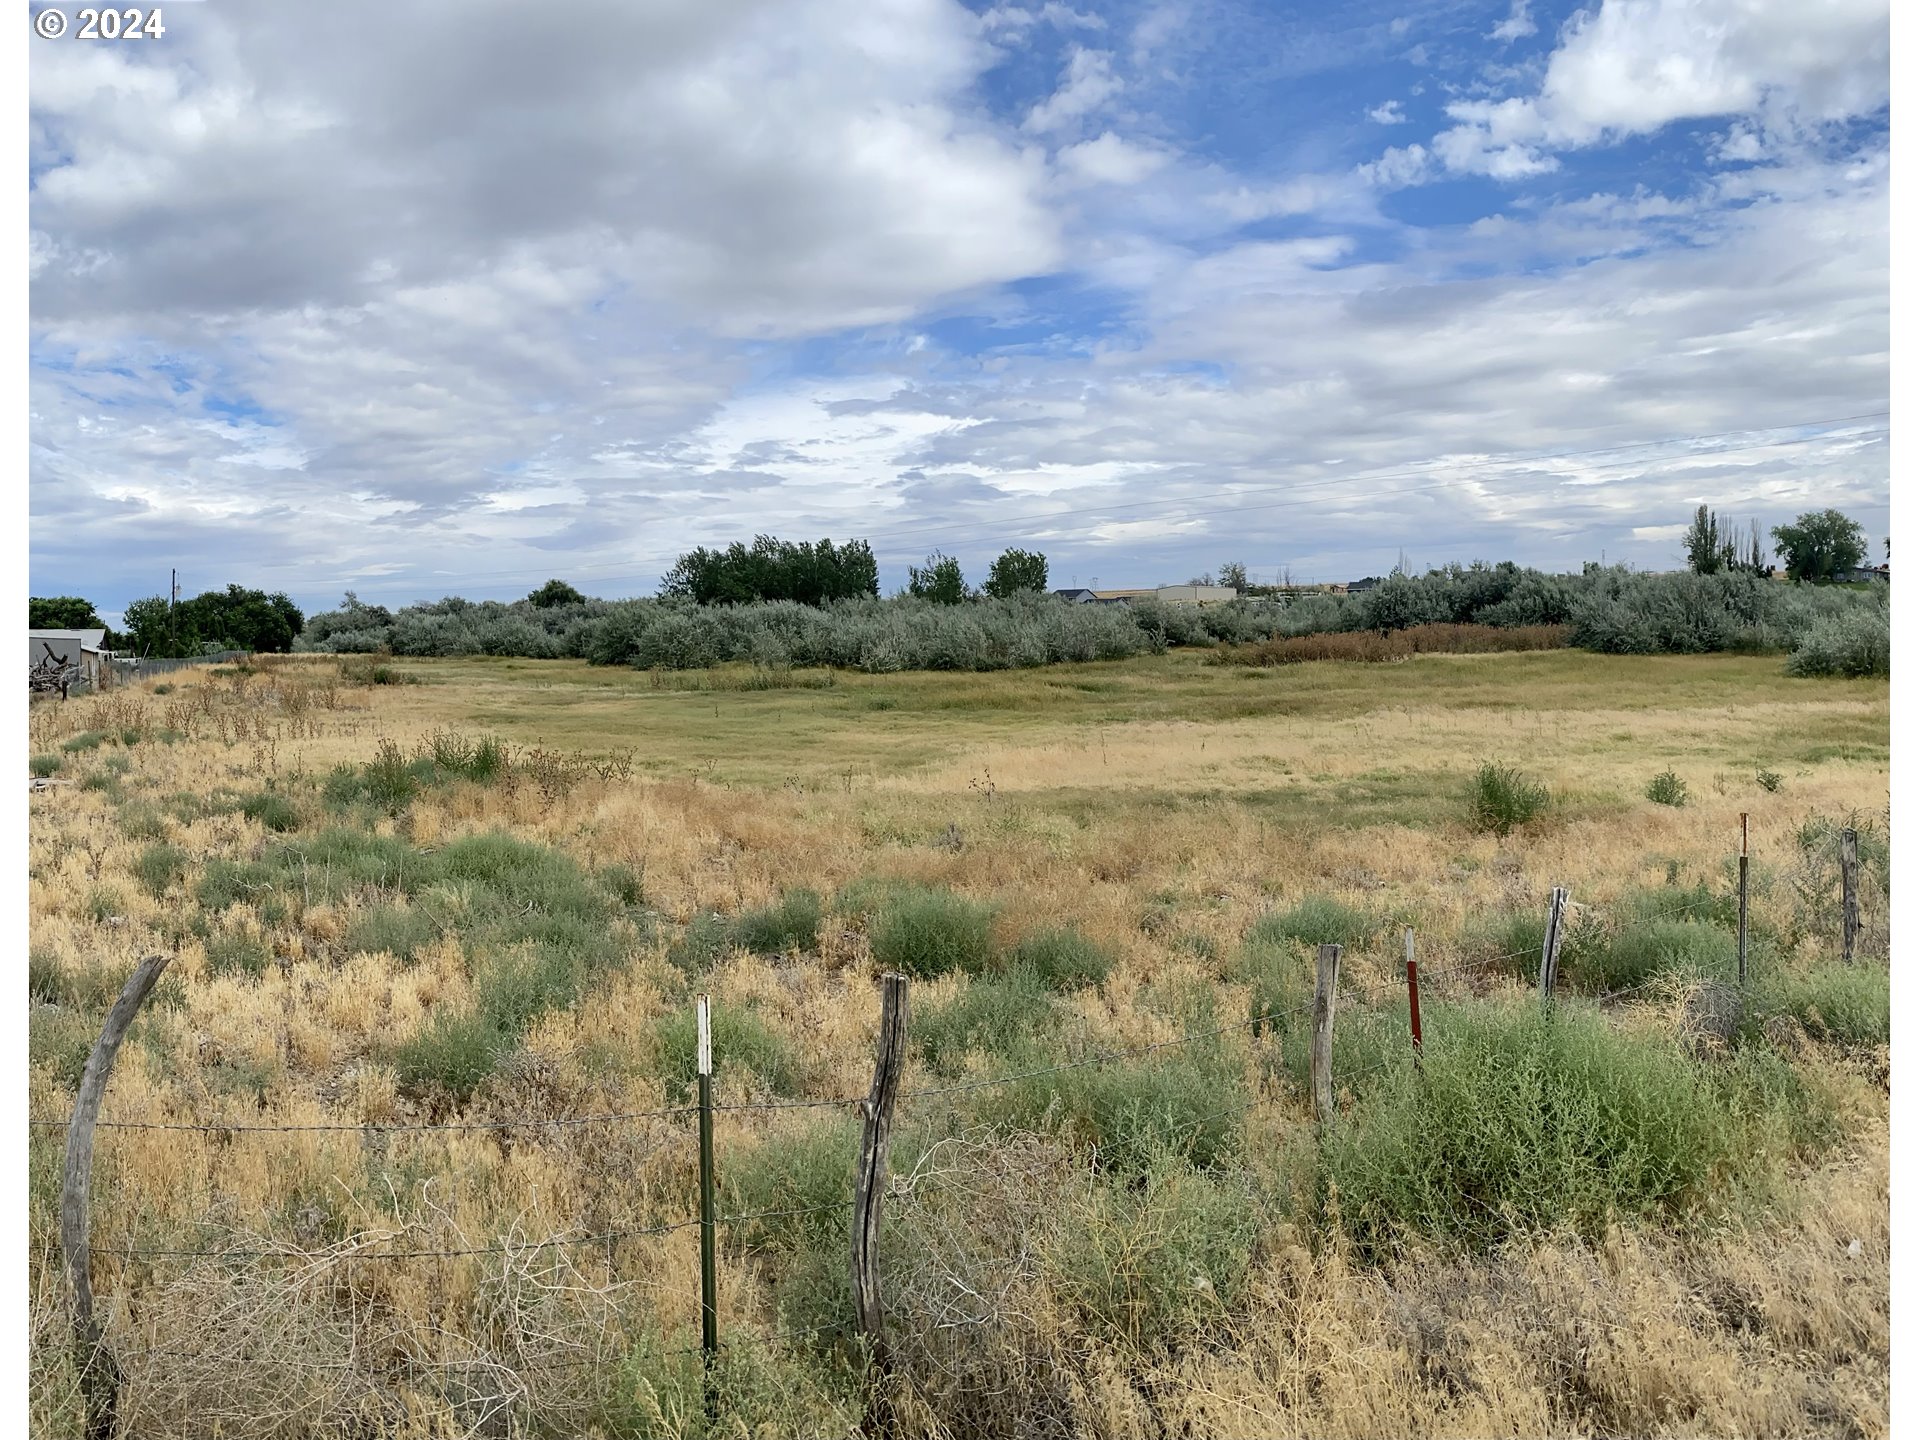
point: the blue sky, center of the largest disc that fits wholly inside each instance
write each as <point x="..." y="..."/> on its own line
<point x="1148" y="286"/>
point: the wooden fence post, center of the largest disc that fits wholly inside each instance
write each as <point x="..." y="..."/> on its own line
<point x="1849" y="893"/>
<point x="870" y="1185"/>
<point x="709" y="1275"/>
<point x="1741" y="937"/>
<point x="99" y="1374"/>
<point x="1413" y="994"/>
<point x="1550" y="946"/>
<point x="1326" y="977"/>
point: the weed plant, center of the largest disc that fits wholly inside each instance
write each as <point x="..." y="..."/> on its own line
<point x="1667" y="788"/>
<point x="1500" y="799"/>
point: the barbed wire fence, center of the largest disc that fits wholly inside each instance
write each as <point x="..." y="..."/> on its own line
<point x="100" y="1369"/>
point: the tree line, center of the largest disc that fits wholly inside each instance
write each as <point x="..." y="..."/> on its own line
<point x="235" y="618"/>
<point x="1818" y="546"/>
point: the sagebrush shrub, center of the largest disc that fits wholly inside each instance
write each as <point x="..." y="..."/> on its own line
<point x="1501" y="799"/>
<point x="43" y="766"/>
<point x="1856" y="643"/>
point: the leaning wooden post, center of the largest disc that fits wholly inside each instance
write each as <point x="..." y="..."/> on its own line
<point x="1849" y="893"/>
<point x="709" y="1275"/>
<point x="1550" y="946"/>
<point x="1326" y="977"/>
<point x="99" y="1374"/>
<point x="1413" y="994"/>
<point x="870" y="1185"/>
<point x="1741" y="936"/>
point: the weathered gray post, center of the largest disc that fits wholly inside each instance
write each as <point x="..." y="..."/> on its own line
<point x="870" y="1185"/>
<point x="99" y="1374"/>
<point x="1326" y="978"/>
<point x="1550" y="946"/>
<point x="1849" y="893"/>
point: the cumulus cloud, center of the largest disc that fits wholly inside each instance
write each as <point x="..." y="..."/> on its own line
<point x="1389" y="113"/>
<point x="1633" y="66"/>
<point x="506" y="298"/>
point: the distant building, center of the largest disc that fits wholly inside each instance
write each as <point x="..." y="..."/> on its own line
<point x="1861" y="574"/>
<point x="1165" y="594"/>
<point x="1357" y="587"/>
<point x="82" y="652"/>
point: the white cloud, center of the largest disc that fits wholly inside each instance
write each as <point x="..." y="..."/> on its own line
<point x="1110" y="160"/>
<point x="1397" y="167"/>
<point x="1087" y="84"/>
<point x="1633" y="66"/>
<point x="1517" y="26"/>
<point x="1389" y="113"/>
<point x="499" y="305"/>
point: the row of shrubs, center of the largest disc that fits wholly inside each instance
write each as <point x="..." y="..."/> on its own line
<point x="1830" y="630"/>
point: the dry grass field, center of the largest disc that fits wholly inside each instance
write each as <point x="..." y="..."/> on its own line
<point x="482" y="899"/>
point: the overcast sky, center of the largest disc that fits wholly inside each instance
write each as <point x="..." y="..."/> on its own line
<point x="429" y="298"/>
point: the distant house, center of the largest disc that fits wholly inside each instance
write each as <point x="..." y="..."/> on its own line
<point x="84" y="652"/>
<point x="1862" y="574"/>
<point x="1165" y="594"/>
<point x="1357" y="587"/>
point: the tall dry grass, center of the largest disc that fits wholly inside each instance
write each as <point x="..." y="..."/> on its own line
<point x="1032" y="1297"/>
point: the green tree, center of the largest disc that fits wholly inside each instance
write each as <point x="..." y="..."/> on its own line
<point x="1016" y="572"/>
<point x="62" y="612"/>
<point x="771" y="569"/>
<point x="1233" y="575"/>
<point x="1706" y="551"/>
<point x="235" y="618"/>
<point x="939" y="580"/>
<point x="1819" y="545"/>
<point x="555" y="593"/>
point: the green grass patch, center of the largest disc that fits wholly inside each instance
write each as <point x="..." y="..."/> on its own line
<point x="743" y="1046"/>
<point x="1848" y="1004"/>
<point x="1149" y="1260"/>
<point x="926" y="933"/>
<point x="401" y="931"/>
<point x="159" y="867"/>
<point x="791" y="926"/>
<point x="272" y="810"/>
<point x="807" y="1169"/>
<point x="238" y="955"/>
<point x="1520" y="1123"/>
<point x="1061" y="959"/>
<point x="42" y="767"/>
<point x="991" y="1014"/>
<point x="85" y="741"/>
<point x="451" y="1056"/>
<point x="1315" y="921"/>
